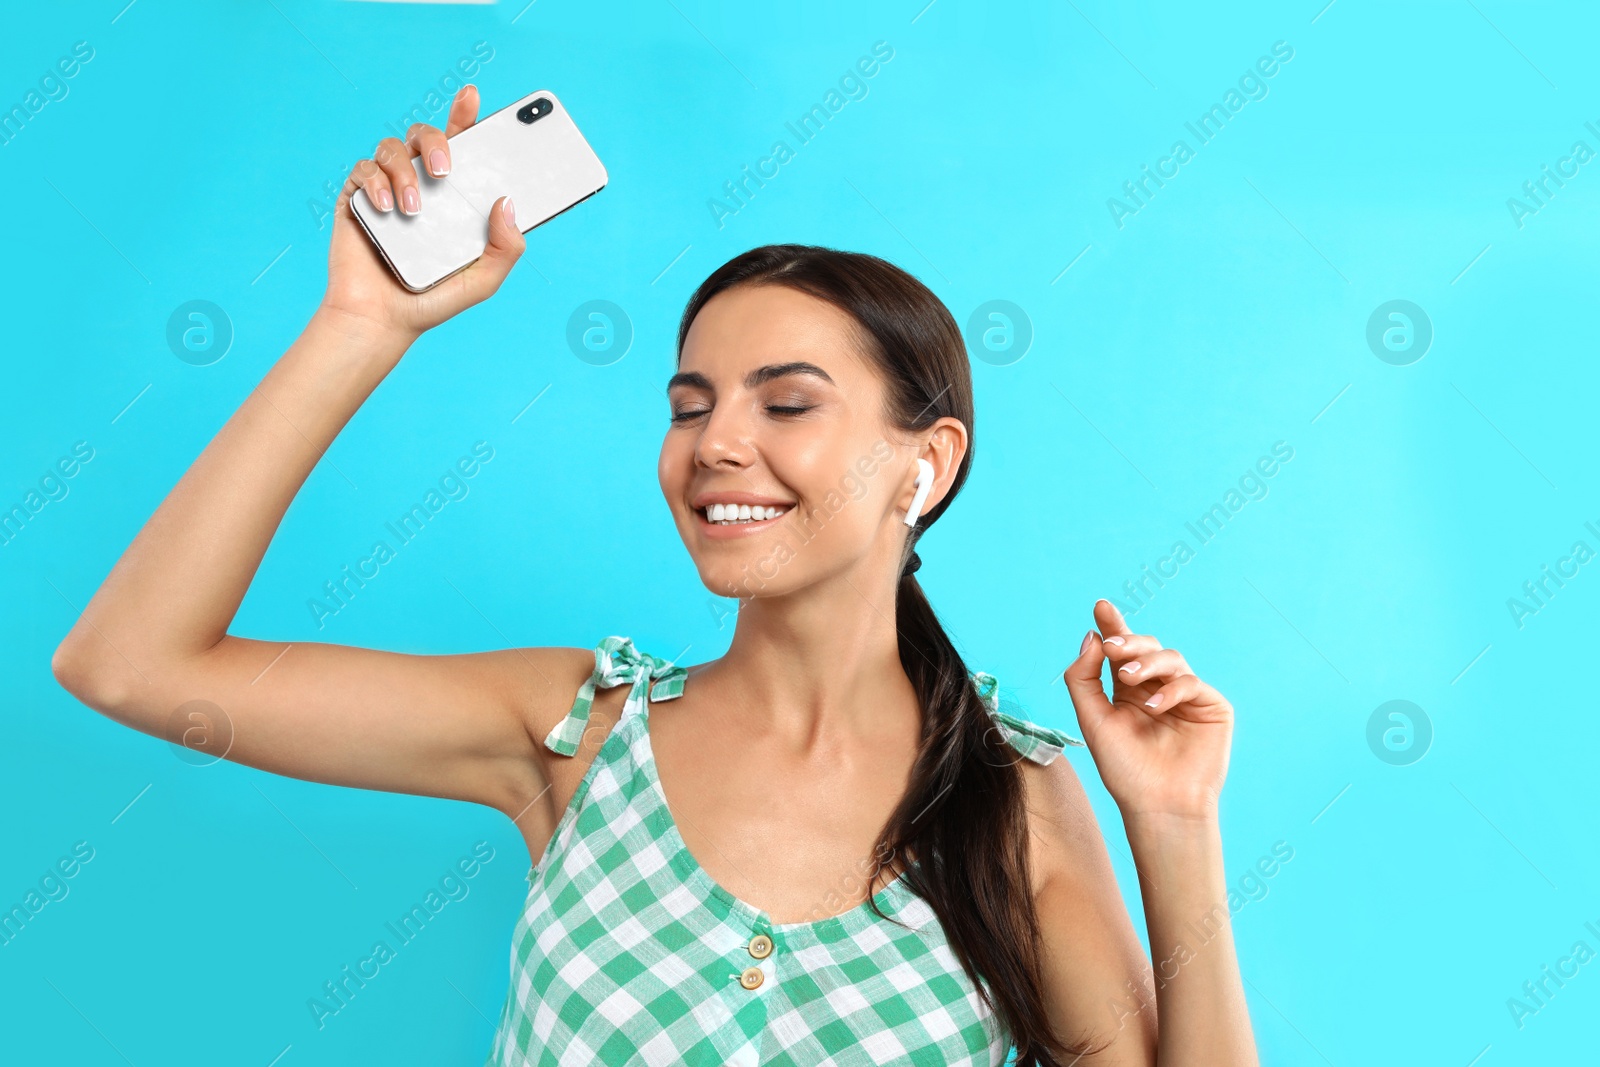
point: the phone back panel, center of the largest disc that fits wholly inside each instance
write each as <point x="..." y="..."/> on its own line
<point x="545" y="167"/>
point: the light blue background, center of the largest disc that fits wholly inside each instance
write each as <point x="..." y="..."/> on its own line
<point x="1229" y="314"/>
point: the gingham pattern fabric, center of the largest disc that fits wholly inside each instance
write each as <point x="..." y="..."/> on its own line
<point x="627" y="952"/>
<point x="1039" y="743"/>
<point x="616" y="662"/>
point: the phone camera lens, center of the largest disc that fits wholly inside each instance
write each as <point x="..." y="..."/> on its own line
<point x="535" y="110"/>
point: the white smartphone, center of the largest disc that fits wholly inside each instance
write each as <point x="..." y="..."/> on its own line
<point x="530" y="150"/>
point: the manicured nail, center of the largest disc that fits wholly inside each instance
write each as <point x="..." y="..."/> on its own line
<point x="1115" y="641"/>
<point x="511" y="212"/>
<point x="1129" y="668"/>
<point x="1086" y="639"/>
<point x="385" y="201"/>
<point x="409" y="201"/>
<point x="438" y="163"/>
<point x="1155" y="701"/>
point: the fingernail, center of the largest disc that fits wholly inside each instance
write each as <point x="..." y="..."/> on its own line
<point x="1086" y="639"/>
<point x="438" y="163"/>
<point x="1155" y="701"/>
<point x="1115" y="641"/>
<point x="1129" y="668"/>
<point x="511" y="212"/>
<point x="385" y="201"/>
<point x="410" y="204"/>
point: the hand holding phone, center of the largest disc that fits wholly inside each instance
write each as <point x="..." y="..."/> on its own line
<point x="413" y="246"/>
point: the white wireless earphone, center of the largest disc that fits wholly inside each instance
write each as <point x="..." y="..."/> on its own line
<point x="924" y="483"/>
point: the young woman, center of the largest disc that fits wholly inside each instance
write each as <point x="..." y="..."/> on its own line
<point x="864" y="859"/>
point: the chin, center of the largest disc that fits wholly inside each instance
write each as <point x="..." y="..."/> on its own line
<point x="742" y="574"/>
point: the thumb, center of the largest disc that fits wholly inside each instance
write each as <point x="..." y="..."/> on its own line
<point x="505" y="247"/>
<point x="1084" y="686"/>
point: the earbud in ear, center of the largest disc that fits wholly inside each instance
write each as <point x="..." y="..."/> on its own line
<point x="924" y="484"/>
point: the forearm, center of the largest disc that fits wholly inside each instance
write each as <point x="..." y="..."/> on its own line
<point x="1200" y="1001"/>
<point x="176" y="589"/>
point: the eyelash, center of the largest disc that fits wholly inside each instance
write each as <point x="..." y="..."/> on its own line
<point x="779" y="409"/>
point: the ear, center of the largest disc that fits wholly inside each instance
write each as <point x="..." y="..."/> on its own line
<point x="943" y="445"/>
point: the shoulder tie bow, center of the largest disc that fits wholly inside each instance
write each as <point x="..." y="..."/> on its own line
<point x="1038" y="743"/>
<point x="617" y="662"/>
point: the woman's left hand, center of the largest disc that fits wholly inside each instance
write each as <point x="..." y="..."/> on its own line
<point x="1167" y="760"/>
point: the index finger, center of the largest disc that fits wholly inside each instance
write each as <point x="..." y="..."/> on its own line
<point x="1110" y="620"/>
<point x="463" y="111"/>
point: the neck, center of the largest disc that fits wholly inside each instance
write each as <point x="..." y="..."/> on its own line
<point x="822" y="662"/>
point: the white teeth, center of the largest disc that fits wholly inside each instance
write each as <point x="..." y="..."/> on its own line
<point x="728" y="514"/>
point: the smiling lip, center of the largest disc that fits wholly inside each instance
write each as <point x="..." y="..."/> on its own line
<point x="727" y="531"/>
<point x="706" y="499"/>
<point x="720" y="532"/>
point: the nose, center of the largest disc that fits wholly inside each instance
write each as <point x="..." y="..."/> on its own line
<point x="725" y="442"/>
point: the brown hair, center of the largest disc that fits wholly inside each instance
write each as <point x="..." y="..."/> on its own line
<point x="963" y="817"/>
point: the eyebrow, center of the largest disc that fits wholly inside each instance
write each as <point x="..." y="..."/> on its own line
<point x="756" y="377"/>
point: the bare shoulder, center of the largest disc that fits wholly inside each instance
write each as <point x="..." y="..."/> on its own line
<point x="1065" y="839"/>
<point x="538" y="686"/>
<point x="545" y="682"/>
<point x="548" y="680"/>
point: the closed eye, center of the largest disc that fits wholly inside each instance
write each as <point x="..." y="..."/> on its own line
<point x="787" y="410"/>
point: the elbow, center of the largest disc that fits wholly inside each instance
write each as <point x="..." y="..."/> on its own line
<point x="68" y="667"/>
<point x="86" y="675"/>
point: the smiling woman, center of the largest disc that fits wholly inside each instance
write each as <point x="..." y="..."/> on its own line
<point x="796" y="364"/>
<point x="684" y="903"/>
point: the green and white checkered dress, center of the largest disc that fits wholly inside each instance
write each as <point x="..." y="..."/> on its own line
<point x="626" y="951"/>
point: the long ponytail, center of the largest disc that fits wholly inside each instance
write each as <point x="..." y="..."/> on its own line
<point x="963" y="819"/>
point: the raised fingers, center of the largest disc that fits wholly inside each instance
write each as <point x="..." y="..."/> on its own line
<point x="370" y="177"/>
<point x="1121" y="648"/>
<point x="393" y="157"/>
<point x="430" y="143"/>
<point x="1109" y="619"/>
<point x="463" y="110"/>
<point x="433" y="144"/>
<point x="1201" y="702"/>
<point x="1152" y="664"/>
<point x="389" y="178"/>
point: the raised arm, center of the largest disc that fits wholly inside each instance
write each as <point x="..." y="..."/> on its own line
<point x="154" y="638"/>
<point x="1164" y="766"/>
